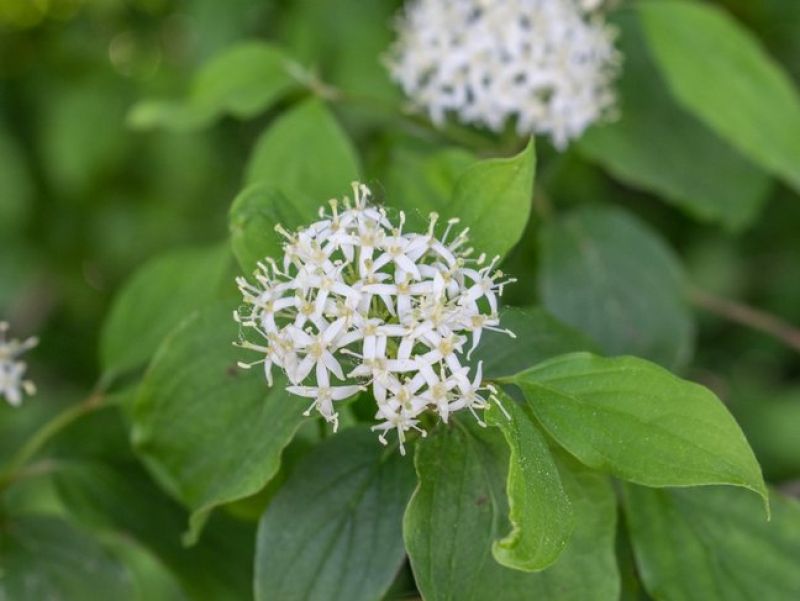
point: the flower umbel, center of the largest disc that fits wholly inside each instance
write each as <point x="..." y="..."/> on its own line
<point x="549" y="63"/>
<point x="356" y="303"/>
<point x="12" y="371"/>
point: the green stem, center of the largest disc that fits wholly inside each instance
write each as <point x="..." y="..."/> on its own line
<point x="44" y="434"/>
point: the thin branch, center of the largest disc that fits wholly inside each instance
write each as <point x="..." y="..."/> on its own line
<point x="43" y="435"/>
<point x="748" y="316"/>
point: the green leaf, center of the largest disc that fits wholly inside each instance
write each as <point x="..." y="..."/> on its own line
<point x="420" y="179"/>
<point x="493" y="198"/>
<point x="658" y="146"/>
<point x="639" y="422"/>
<point x="540" y="512"/>
<point x="209" y="431"/>
<point x="587" y="569"/>
<point x="538" y="336"/>
<point x="243" y="81"/>
<point x="605" y="273"/>
<point x="460" y="508"/>
<point x="305" y="153"/>
<point x="158" y="297"/>
<point x="720" y="72"/>
<point x="714" y="543"/>
<point x="255" y="213"/>
<point x="48" y="558"/>
<point x="333" y="530"/>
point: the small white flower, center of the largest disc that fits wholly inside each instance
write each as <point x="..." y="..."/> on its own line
<point x="549" y="64"/>
<point x="12" y="371"/>
<point x="358" y="304"/>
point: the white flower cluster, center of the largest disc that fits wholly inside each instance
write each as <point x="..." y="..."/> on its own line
<point x="358" y="303"/>
<point x="549" y="63"/>
<point x="12" y="371"/>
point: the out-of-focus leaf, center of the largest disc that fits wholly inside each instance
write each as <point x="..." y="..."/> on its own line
<point x="48" y="558"/>
<point x="156" y="299"/>
<point x="307" y="154"/>
<point x="119" y="497"/>
<point x="334" y="529"/>
<point x="82" y="135"/>
<point x="771" y="422"/>
<point x="714" y="543"/>
<point x="721" y="73"/>
<point x="16" y="187"/>
<point x="606" y="274"/>
<point x="243" y="81"/>
<point x="101" y="484"/>
<point x="540" y="512"/>
<point x="210" y="432"/>
<point x="658" y="146"/>
<point x="537" y="336"/>
<point x="460" y="508"/>
<point x="493" y="198"/>
<point x="639" y="422"/>
<point x="347" y="50"/>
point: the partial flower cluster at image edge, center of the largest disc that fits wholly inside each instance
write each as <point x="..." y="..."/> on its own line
<point x="13" y="384"/>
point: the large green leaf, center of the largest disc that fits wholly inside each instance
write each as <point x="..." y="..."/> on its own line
<point x="243" y="81"/>
<point x="156" y="299"/>
<point x="333" y="530"/>
<point x="539" y="511"/>
<point x="714" y="544"/>
<point x="658" y="146"/>
<point x="210" y="432"/>
<point x="537" y="336"/>
<point x="48" y="558"/>
<point x="605" y="273"/>
<point x="493" y="198"/>
<point x="639" y="422"/>
<point x="721" y="73"/>
<point x="307" y="154"/>
<point x="460" y="508"/>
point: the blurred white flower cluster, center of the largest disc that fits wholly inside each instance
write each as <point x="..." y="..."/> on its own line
<point x="548" y="63"/>
<point x="12" y="371"/>
<point x="357" y="303"/>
